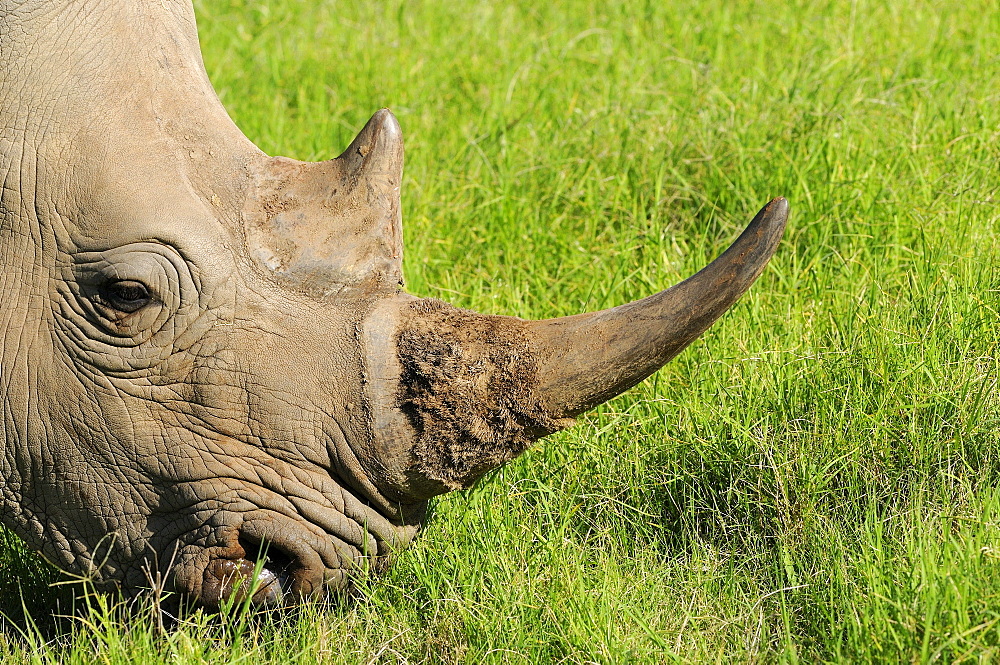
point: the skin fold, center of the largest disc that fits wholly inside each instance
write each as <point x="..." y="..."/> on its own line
<point x="208" y="359"/>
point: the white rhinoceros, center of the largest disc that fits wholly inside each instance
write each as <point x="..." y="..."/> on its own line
<point x="207" y="355"/>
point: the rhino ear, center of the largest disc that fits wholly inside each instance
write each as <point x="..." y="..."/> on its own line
<point x="336" y="223"/>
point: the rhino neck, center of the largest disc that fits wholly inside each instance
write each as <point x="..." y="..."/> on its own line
<point x="74" y="70"/>
<point x="79" y="57"/>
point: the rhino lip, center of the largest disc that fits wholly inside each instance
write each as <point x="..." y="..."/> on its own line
<point x="275" y="575"/>
<point x="265" y="574"/>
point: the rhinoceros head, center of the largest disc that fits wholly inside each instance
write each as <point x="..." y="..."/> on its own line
<point x="207" y="357"/>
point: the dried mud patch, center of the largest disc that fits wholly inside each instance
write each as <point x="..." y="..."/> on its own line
<point x="468" y="387"/>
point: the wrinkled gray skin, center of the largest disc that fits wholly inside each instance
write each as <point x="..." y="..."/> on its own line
<point x="206" y="351"/>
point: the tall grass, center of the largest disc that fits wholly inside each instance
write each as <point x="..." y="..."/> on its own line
<point x="815" y="479"/>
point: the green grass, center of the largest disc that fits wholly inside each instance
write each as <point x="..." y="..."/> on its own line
<point x="815" y="480"/>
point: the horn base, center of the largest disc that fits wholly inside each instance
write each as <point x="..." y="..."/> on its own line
<point x="468" y="387"/>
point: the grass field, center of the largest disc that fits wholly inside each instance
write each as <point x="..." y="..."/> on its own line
<point x="815" y="480"/>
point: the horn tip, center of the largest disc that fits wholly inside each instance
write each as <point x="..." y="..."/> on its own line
<point x="387" y="124"/>
<point x="378" y="147"/>
<point x="770" y="221"/>
<point x="776" y="209"/>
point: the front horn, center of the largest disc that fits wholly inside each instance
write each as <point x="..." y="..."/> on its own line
<point x="455" y="393"/>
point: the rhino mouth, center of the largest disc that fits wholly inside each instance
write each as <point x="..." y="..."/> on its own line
<point x="265" y="574"/>
<point x="279" y="539"/>
<point x="274" y="570"/>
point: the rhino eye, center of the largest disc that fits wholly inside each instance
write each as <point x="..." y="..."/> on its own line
<point x="126" y="296"/>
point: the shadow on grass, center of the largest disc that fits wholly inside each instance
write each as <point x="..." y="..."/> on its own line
<point x="32" y="591"/>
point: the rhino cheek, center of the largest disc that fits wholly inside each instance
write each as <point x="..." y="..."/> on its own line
<point x="124" y="485"/>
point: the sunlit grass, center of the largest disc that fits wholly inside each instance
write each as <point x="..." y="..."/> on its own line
<point x="815" y="479"/>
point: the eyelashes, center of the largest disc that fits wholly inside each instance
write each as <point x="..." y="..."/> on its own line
<point x="124" y="296"/>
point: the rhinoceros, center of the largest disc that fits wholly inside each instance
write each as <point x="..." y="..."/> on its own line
<point x="208" y="359"/>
